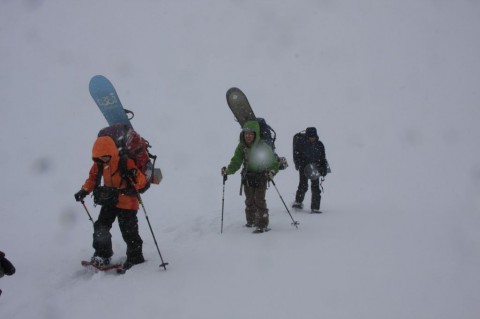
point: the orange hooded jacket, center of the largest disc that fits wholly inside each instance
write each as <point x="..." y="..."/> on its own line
<point x="105" y="146"/>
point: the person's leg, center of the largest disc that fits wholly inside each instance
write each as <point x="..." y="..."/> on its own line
<point x="102" y="239"/>
<point x="128" y="223"/>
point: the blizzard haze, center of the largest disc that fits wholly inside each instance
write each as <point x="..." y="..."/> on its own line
<point x="392" y="87"/>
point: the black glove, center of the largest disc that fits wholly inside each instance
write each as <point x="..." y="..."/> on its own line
<point x="131" y="175"/>
<point x="6" y="266"/>
<point x="80" y="195"/>
<point x="323" y="171"/>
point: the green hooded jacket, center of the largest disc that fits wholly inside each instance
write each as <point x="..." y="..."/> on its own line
<point x="257" y="158"/>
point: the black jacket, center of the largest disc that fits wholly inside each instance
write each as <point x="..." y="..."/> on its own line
<point x="305" y="153"/>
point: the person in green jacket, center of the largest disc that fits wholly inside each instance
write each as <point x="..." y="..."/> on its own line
<point x="259" y="165"/>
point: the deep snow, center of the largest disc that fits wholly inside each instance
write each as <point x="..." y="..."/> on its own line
<point x="392" y="87"/>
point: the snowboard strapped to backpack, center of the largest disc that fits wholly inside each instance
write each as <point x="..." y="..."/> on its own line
<point x="131" y="145"/>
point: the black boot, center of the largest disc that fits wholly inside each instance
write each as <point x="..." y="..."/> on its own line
<point x="132" y="262"/>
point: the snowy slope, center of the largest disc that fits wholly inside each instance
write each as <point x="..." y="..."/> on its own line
<point x="392" y="87"/>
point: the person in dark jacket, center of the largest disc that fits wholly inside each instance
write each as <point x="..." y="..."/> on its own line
<point x="6" y="267"/>
<point x="309" y="153"/>
<point x="259" y="165"/>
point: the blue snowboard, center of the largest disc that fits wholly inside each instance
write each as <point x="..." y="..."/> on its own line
<point x="104" y="94"/>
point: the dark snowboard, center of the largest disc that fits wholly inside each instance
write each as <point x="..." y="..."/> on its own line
<point x="239" y="105"/>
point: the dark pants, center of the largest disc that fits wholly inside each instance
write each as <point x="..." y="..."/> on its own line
<point x="255" y="204"/>
<point x="128" y="223"/>
<point x="303" y="188"/>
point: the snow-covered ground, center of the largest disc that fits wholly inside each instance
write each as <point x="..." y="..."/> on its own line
<point x="392" y="87"/>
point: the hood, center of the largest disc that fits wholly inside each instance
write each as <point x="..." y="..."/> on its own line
<point x="251" y="126"/>
<point x="311" y="132"/>
<point x="104" y="146"/>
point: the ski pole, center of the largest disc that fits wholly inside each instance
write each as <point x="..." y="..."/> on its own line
<point x="130" y="181"/>
<point x="295" y="223"/>
<point x="86" y="210"/>
<point x="223" y="201"/>
<point x="163" y="264"/>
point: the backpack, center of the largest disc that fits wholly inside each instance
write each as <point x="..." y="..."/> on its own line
<point x="131" y="145"/>
<point x="268" y="135"/>
<point x="266" y="132"/>
<point x="298" y="138"/>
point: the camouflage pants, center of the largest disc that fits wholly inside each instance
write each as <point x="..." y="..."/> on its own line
<point x="255" y="204"/>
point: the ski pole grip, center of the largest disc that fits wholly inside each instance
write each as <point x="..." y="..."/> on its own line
<point x="224" y="173"/>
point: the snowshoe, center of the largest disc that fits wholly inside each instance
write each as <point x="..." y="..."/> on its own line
<point x="100" y="261"/>
<point x="95" y="267"/>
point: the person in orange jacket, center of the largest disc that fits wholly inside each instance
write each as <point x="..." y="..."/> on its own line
<point x="118" y="197"/>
